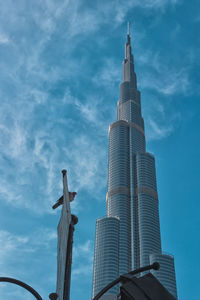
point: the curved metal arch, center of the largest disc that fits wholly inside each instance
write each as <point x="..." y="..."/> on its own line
<point x="155" y="266"/>
<point x="22" y="284"/>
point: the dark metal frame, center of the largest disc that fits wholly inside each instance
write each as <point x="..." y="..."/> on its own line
<point x="124" y="277"/>
<point x="23" y="285"/>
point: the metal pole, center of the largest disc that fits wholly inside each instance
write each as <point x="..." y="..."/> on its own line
<point x="66" y="295"/>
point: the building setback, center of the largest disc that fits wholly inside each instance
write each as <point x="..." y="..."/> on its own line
<point x="129" y="236"/>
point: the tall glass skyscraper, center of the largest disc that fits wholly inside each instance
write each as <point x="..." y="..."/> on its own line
<point x="129" y="236"/>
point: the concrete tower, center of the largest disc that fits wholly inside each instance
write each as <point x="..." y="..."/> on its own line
<point x="129" y="237"/>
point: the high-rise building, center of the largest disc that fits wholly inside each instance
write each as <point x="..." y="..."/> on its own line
<point x="129" y="236"/>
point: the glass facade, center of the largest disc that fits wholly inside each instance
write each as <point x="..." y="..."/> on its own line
<point x="166" y="274"/>
<point x="131" y="195"/>
<point x="106" y="259"/>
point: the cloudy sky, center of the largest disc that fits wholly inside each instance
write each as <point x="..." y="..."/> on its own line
<point x="60" y="71"/>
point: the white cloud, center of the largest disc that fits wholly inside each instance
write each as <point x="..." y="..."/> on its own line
<point x="167" y="82"/>
<point x="110" y="74"/>
<point x="79" y="20"/>
<point x="86" y="158"/>
<point x="160" y="120"/>
<point x="24" y="245"/>
<point x="39" y="96"/>
<point x="157" y="131"/>
<point x="4" y="39"/>
<point x="88" y="111"/>
<point x="92" y="111"/>
<point x="40" y="153"/>
<point x="10" y="244"/>
<point x="15" y="146"/>
<point x="43" y="153"/>
<point x="23" y="256"/>
<point x="122" y="8"/>
<point x="18" y="138"/>
<point x="84" y="249"/>
<point x="162" y="76"/>
<point x="10" y="194"/>
<point x="81" y="271"/>
<point x="83" y="255"/>
<point x="28" y="116"/>
<point x="40" y="133"/>
<point x="10" y="291"/>
<point x="156" y="3"/>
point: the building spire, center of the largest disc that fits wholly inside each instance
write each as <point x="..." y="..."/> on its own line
<point x="128" y="31"/>
<point x="128" y="63"/>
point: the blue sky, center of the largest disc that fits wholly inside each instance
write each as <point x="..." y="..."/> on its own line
<point x="60" y="70"/>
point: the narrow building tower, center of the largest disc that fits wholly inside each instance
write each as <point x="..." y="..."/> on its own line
<point x="129" y="237"/>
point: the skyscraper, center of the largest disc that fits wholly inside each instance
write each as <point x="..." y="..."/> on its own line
<point x="129" y="236"/>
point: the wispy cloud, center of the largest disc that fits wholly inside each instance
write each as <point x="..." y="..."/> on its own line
<point x="160" y="119"/>
<point x="21" y="246"/>
<point x="28" y="154"/>
<point x="87" y="157"/>
<point x="84" y="250"/>
<point x="83" y="254"/>
<point x="10" y="244"/>
<point x="41" y="63"/>
<point x="162" y="76"/>
<point x="57" y="98"/>
<point x="156" y="3"/>
<point x="109" y="75"/>
<point x="119" y="11"/>
<point x="41" y="148"/>
<point x="19" y="252"/>
<point x="170" y="81"/>
<point x="81" y="271"/>
<point x="158" y="131"/>
<point x="4" y="39"/>
<point x="8" y="291"/>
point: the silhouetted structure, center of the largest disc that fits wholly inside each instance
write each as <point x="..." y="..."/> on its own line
<point x="60" y="200"/>
<point x="23" y="285"/>
<point x="103" y="295"/>
<point x="144" y="288"/>
<point x="65" y="243"/>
